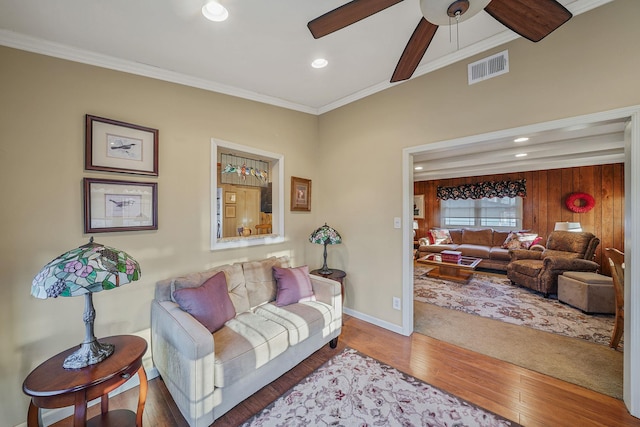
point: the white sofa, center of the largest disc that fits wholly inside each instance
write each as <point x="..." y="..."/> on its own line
<point x="208" y="373"/>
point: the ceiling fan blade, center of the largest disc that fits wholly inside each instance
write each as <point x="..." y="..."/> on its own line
<point x="532" y="19"/>
<point x="346" y="15"/>
<point x="414" y="50"/>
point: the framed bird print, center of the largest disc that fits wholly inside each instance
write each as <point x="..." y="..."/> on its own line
<point x="111" y="205"/>
<point x="114" y="146"/>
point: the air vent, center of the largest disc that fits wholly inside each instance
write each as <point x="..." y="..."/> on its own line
<point x="489" y="67"/>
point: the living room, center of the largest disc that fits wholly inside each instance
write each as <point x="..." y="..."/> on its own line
<point x="544" y="193"/>
<point x="544" y="204"/>
<point x="353" y="155"/>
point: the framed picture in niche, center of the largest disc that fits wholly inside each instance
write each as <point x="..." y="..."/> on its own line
<point x="300" y="194"/>
<point x="229" y="197"/>
<point x="113" y="205"/>
<point x="114" y="146"/>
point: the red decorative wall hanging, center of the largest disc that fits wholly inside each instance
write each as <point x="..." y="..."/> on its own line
<point x="580" y="202"/>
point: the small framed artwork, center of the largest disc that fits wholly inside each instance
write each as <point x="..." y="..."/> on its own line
<point x="113" y="146"/>
<point x="230" y="211"/>
<point x="300" y="194"/>
<point x="111" y="205"/>
<point x="229" y="197"/>
<point x="418" y="206"/>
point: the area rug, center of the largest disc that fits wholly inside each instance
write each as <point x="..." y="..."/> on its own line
<point x="494" y="297"/>
<point x="352" y="389"/>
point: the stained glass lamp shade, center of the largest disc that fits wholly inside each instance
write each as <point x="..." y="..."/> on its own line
<point x="82" y="271"/>
<point x="325" y="235"/>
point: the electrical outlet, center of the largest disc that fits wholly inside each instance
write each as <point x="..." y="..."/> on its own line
<point x="396" y="303"/>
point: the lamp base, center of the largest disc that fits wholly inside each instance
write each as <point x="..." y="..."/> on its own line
<point x="88" y="354"/>
<point x="325" y="270"/>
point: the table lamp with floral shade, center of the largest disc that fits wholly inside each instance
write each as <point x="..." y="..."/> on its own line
<point x="325" y="235"/>
<point x="82" y="271"/>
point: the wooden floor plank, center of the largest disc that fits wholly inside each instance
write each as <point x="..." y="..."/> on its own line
<point x="521" y="395"/>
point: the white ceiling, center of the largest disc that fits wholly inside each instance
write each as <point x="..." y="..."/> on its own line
<point x="589" y="143"/>
<point x="262" y="52"/>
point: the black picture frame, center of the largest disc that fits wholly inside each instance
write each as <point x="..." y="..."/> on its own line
<point x="114" y="205"/>
<point x="115" y="146"/>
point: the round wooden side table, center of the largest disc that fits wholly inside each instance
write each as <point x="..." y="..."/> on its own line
<point x="337" y="275"/>
<point x="52" y="386"/>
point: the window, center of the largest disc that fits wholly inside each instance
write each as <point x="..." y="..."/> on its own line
<point x="499" y="213"/>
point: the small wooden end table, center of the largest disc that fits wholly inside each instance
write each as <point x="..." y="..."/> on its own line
<point x="52" y="386"/>
<point x="337" y="275"/>
<point x="458" y="272"/>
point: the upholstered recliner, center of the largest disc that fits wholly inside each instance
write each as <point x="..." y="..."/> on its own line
<point x="564" y="251"/>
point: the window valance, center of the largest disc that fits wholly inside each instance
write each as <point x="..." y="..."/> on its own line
<point x="488" y="189"/>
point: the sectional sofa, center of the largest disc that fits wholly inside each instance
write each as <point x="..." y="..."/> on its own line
<point x="490" y="245"/>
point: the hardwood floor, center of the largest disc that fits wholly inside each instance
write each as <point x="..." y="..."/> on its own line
<point x="524" y="396"/>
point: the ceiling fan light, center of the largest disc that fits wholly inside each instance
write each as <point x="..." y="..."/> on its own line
<point x="435" y="11"/>
<point x="214" y="11"/>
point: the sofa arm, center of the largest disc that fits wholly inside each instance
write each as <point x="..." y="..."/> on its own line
<point x="327" y="291"/>
<point x="180" y="330"/>
<point x="517" y="254"/>
<point x="569" y="264"/>
<point x="182" y="351"/>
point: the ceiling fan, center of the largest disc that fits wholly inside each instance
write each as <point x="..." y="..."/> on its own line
<point x="532" y="19"/>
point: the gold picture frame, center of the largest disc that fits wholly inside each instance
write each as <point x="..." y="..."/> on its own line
<point x="229" y="197"/>
<point x="300" y="194"/>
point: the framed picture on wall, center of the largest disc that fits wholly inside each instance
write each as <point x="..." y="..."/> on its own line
<point x="418" y="206"/>
<point x="300" y="194"/>
<point x="114" y="146"/>
<point x="111" y="205"/>
<point x="230" y="211"/>
<point x="229" y="197"/>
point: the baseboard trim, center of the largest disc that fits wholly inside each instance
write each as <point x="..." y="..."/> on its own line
<point x="374" y="320"/>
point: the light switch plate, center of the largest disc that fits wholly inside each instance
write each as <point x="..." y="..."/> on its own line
<point x="397" y="222"/>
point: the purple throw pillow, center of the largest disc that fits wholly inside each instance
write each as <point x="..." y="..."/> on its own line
<point x="293" y="285"/>
<point x="209" y="303"/>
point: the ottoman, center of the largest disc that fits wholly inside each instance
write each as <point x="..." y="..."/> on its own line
<point x="590" y="292"/>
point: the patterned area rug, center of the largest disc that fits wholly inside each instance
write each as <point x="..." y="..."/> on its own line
<point x="355" y="390"/>
<point x="494" y="297"/>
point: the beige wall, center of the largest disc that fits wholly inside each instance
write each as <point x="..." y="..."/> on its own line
<point x="352" y="154"/>
<point x="44" y="101"/>
<point x="589" y="65"/>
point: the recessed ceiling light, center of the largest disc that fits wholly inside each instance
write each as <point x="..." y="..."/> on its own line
<point x="418" y="168"/>
<point x="319" y="63"/>
<point x="521" y="155"/>
<point x="214" y="11"/>
<point x="523" y="139"/>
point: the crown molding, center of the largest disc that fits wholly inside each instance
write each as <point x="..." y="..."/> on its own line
<point x="48" y="48"/>
<point x="45" y="47"/>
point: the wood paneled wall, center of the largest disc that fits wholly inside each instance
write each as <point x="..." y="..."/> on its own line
<point x="544" y="204"/>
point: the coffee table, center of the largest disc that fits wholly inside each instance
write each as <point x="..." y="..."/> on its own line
<point x="459" y="272"/>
